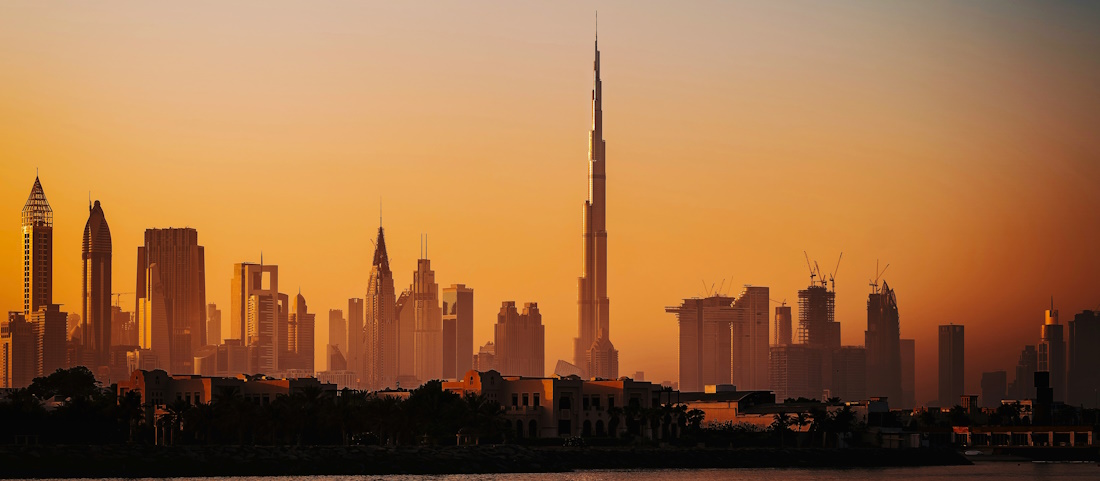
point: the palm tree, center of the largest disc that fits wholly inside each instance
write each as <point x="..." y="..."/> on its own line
<point x="781" y="425"/>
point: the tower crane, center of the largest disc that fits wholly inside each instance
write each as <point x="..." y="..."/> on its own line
<point x="832" y="277"/>
<point x="810" y="267"/>
<point x="118" y="295"/>
<point x="878" y="275"/>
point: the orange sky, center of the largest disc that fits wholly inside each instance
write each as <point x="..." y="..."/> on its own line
<point x="956" y="141"/>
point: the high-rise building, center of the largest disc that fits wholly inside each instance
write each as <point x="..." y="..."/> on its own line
<point x="883" y="342"/>
<point x="379" y="354"/>
<point x="908" y="348"/>
<point x="152" y="318"/>
<point x="248" y="278"/>
<point x="794" y="372"/>
<point x="520" y="341"/>
<point x="724" y="340"/>
<point x="355" y="336"/>
<point x="258" y="315"/>
<point x="428" y="338"/>
<point x="213" y="325"/>
<point x="337" y="329"/>
<point x="951" y="365"/>
<point x="485" y="359"/>
<point x="405" y="340"/>
<point x="994" y="388"/>
<point x="783" y="326"/>
<point x="593" y="351"/>
<point x="1052" y="353"/>
<point x="458" y="331"/>
<point x="97" y="288"/>
<point x="48" y="323"/>
<point x="124" y="330"/>
<point x="1083" y="378"/>
<point x="21" y="359"/>
<point x="817" y="326"/>
<point x="849" y="373"/>
<point x="1023" y="385"/>
<point x="37" y="251"/>
<point x="335" y="359"/>
<point x="301" y="336"/>
<point x="182" y="266"/>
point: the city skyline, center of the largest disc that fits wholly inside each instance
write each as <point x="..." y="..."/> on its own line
<point x="1035" y="201"/>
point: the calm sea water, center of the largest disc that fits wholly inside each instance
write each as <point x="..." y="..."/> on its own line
<point x="980" y="471"/>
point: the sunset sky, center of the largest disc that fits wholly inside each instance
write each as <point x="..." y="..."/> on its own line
<point x="959" y="142"/>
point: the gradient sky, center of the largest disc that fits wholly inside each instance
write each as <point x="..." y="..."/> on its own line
<point x="956" y="141"/>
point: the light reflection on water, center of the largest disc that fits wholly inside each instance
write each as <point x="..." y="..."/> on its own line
<point x="984" y="471"/>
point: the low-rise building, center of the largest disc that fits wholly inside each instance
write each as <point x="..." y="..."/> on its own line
<point x="549" y="407"/>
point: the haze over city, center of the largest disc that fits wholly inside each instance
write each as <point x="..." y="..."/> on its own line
<point x="952" y="141"/>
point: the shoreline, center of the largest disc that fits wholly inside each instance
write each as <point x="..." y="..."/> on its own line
<point x="126" y="461"/>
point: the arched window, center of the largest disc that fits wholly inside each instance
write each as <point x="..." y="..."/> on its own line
<point x="519" y="429"/>
<point x="586" y="428"/>
<point x="599" y="428"/>
<point x="533" y="429"/>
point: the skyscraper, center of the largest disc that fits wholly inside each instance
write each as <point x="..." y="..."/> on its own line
<point x="883" y="342"/>
<point x="301" y="335"/>
<point x="97" y="289"/>
<point x="908" y="348"/>
<point x="1023" y="385"/>
<point x="783" y="331"/>
<point x="182" y="271"/>
<point x="592" y="349"/>
<point x="428" y="339"/>
<point x="21" y="359"/>
<point x="1052" y="353"/>
<point x="213" y="325"/>
<point x="951" y="365"/>
<point x="1083" y="379"/>
<point x="337" y="329"/>
<point x="37" y="251"/>
<point x="724" y="340"/>
<point x="994" y="388"/>
<point x="520" y="340"/>
<point x="248" y="278"/>
<point x="152" y="317"/>
<point x="355" y="335"/>
<point x="458" y="331"/>
<point x="379" y="353"/>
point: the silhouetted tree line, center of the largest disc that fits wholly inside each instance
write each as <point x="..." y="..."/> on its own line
<point x="69" y="407"/>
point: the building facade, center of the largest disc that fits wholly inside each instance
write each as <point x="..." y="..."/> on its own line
<point x="458" y="331"/>
<point x="724" y="340"/>
<point x="951" y="364"/>
<point x="883" y="342"/>
<point x="593" y="351"/>
<point x="1052" y="353"/>
<point x="96" y="277"/>
<point x="1082" y="378"/>
<point x="428" y="324"/>
<point x="379" y="355"/>
<point x="182" y="276"/>
<point x="520" y="340"/>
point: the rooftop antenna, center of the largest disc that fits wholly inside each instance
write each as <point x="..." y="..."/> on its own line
<point x="379" y="212"/>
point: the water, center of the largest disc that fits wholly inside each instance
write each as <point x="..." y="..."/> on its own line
<point x="981" y="471"/>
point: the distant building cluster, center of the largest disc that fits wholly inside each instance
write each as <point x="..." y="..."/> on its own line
<point x="387" y="339"/>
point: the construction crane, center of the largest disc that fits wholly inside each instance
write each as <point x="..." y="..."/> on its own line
<point x="832" y="277"/>
<point x="782" y="303"/>
<point x="118" y="295"/>
<point x="810" y="267"/>
<point x="878" y="275"/>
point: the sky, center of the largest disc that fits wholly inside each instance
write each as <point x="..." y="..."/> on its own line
<point x="955" y="141"/>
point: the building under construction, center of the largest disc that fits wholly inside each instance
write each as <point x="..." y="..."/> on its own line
<point x="883" y="341"/>
<point x="724" y="340"/>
